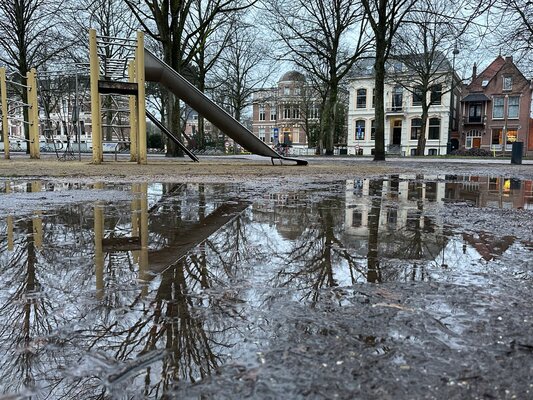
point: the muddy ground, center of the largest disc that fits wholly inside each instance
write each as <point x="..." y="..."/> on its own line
<point x="245" y="168"/>
<point x="396" y="340"/>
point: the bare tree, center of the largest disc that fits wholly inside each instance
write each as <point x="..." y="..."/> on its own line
<point x="324" y="38"/>
<point x="214" y="36"/>
<point x="385" y="18"/>
<point x="30" y="36"/>
<point x="420" y="49"/>
<point x="514" y="21"/>
<point x="242" y="68"/>
<point x="168" y="22"/>
<point x="431" y="31"/>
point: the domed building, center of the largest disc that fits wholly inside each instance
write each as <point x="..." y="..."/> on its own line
<point x="283" y="114"/>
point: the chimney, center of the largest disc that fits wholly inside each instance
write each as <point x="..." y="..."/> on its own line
<point x="474" y="72"/>
<point x="509" y="59"/>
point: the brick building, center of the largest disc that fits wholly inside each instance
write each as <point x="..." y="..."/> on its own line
<point x="284" y="113"/>
<point x="496" y="108"/>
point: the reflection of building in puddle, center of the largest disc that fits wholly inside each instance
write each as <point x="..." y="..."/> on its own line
<point x="288" y="212"/>
<point x="491" y="192"/>
<point x="488" y="246"/>
<point x="402" y="202"/>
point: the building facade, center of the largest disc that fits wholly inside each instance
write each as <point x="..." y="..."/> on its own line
<point x="403" y="110"/>
<point x="496" y="108"/>
<point x="283" y="114"/>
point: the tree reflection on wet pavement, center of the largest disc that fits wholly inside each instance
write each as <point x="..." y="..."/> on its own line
<point x="398" y="287"/>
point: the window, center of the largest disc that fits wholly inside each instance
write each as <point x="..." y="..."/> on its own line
<point x="397" y="67"/>
<point x="287" y="112"/>
<point x="397" y="98"/>
<point x="373" y="98"/>
<point x="416" y="128"/>
<point x="417" y="96"/>
<point x="496" y="136"/>
<point x="314" y="111"/>
<point x="297" y="90"/>
<point x="296" y="112"/>
<point x="286" y="90"/>
<point x="507" y="83"/>
<point x="497" y="107"/>
<point x="511" y="136"/>
<point x="436" y="94"/>
<point x="360" y="129"/>
<point x="512" y="106"/>
<point x="361" y="98"/>
<point x="274" y="135"/>
<point x="262" y="135"/>
<point x="262" y="116"/>
<point x="432" y="152"/>
<point x="434" y="129"/>
<point x="373" y="130"/>
<point x="473" y="138"/>
<point x="273" y="112"/>
<point x="474" y="113"/>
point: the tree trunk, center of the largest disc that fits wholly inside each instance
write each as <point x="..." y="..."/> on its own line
<point x="421" y="145"/>
<point x="332" y="118"/>
<point x="379" y="70"/>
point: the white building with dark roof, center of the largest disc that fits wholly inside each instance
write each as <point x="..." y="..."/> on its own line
<point x="403" y="112"/>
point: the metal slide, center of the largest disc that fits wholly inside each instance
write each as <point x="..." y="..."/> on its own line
<point x="164" y="129"/>
<point x="157" y="71"/>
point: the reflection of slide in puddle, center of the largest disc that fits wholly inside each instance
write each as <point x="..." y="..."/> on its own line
<point x="195" y="234"/>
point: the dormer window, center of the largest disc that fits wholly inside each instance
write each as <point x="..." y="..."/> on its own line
<point x="507" y="83"/>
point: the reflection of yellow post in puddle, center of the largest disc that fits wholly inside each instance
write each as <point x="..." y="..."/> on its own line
<point x="143" y="260"/>
<point x="135" y="208"/>
<point x="98" y="249"/>
<point x="10" y="233"/>
<point x="37" y="221"/>
<point x="10" y="246"/>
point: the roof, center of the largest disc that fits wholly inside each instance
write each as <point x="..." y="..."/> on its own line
<point x="488" y="74"/>
<point x="292" y="76"/>
<point x="476" y="97"/>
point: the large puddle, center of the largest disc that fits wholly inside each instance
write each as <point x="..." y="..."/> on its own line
<point x="133" y="291"/>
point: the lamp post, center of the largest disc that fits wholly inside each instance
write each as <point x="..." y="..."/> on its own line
<point x="452" y="86"/>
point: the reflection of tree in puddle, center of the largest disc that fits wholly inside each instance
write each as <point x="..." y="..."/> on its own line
<point x="25" y="313"/>
<point x="176" y="317"/>
<point x="140" y="340"/>
<point x="318" y="251"/>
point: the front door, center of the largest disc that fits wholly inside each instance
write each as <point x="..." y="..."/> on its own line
<point x="397" y="133"/>
<point x="476" y="142"/>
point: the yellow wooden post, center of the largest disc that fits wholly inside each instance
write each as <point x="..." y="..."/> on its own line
<point x="133" y="116"/>
<point x="141" y="106"/>
<point x="33" y="113"/>
<point x="96" y="117"/>
<point x="3" y="103"/>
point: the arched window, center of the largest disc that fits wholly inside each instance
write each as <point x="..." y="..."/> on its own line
<point x="361" y="98"/>
<point x="434" y="129"/>
<point x="360" y="130"/>
<point x="416" y="128"/>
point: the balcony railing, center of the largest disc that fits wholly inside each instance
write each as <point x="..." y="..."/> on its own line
<point x="394" y="107"/>
<point x="474" y="120"/>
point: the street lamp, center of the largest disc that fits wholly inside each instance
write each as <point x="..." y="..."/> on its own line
<point x="449" y="143"/>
